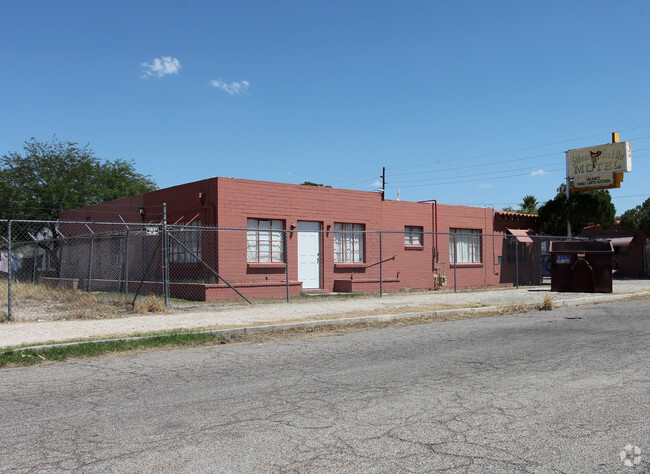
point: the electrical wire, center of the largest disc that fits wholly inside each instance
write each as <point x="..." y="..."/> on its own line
<point x="482" y="155"/>
<point x="480" y="179"/>
<point x="358" y="179"/>
<point x="441" y="180"/>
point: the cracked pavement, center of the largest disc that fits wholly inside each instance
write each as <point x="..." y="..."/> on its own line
<point x="558" y="391"/>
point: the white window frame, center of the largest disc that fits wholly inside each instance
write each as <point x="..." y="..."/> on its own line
<point x="413" y="235"/>
<point x="468" y="243"/>
<point x="265" y="240"/>
<point x="349" y="243"/>
<point x="190" y="236"/>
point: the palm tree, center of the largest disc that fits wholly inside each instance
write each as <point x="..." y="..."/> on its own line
<point x="529" y="205"/>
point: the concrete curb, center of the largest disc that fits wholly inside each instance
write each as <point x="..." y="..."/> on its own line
<point x="341" y="321"/>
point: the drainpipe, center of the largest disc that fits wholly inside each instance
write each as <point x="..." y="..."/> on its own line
<point x="435" y="225"/>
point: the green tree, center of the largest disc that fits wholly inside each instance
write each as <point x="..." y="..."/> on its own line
<point x="582" y="209"/>
<point x="310" y="183"/>
<point x="50" y="177"/>
<point x="637" y="218"/>
<point x="553" y="216"/>
<point x="529" y="205"/>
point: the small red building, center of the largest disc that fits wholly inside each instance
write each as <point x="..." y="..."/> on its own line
<point x="259" y="235"/>
<point x="631" y="250"/>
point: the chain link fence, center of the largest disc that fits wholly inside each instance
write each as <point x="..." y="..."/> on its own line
<point x="59" y="270"/>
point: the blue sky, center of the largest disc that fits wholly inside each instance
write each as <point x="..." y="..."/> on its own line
<point x="466" y="102"/>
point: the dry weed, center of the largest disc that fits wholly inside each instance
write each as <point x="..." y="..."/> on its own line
<point x="149" y="304"/>
<point x="547" y="305"/>
<point x="54" y="303"/>
<point x="32" y="293"/>
<point x="513" y="309"/>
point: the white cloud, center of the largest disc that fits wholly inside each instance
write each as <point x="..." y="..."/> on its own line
<point x="160" y="67"/>
<point x="539" y="173"/>
<point x="376" y="184"/>
<point x="234" y="88"/>
<point x="485" y="186"/>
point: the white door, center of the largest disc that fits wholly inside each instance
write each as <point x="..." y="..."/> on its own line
<point x="309" y="254"/>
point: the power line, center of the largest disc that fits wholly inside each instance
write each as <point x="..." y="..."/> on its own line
<point x="358" y="179"/>
<point x="477" y="174"/>
<point x="531" y="147"/>
<point x="441" y="180"/>
<point x="479" y="179"/>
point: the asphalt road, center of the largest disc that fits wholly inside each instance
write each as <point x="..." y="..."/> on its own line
<point x="558" y="391"/>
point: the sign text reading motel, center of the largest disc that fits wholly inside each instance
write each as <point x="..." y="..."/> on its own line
<point x="598" y="167"/>
<point x="601" y="159"/>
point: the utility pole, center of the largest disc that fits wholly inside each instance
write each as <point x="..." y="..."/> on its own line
<point x="383" y="182"/>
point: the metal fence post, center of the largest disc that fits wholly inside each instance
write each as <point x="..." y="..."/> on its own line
<point x="126" y="258"/>
<point x="90" y="259"/>
<point x="9" y="269"/>
<point x="126" y="265"/>
<point x="63" y="238"/>
<point x="381" y="269"/>
<point x="286" y="261"/>
<point x="35" y="257"/>
<point x="517" y="262"/>
<point x="455" y="260"/>
<point x="165" y="257"/>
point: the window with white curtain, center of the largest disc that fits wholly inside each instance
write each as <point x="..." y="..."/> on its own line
<point x="465" y="246"/>
<point x="348" y="243"/>
<point x="265" y="240"/>
<point x="412" y="235"/>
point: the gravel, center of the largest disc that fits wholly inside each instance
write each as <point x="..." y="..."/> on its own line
<point x="304" y="309"/>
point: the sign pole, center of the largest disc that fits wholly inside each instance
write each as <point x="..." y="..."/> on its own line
<point x="597" y="167"/>
<point x="568" y="195"/>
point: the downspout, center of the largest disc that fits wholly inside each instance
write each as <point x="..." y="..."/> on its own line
<point x="435" y="226"/>
<point x="495" y="260"/>
<point x="482" y="250"/>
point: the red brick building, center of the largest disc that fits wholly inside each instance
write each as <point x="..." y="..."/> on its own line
<point x="631" y="249"/>
<point x="257" y="235"/>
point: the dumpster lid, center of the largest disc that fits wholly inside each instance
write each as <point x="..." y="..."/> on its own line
<point x="581" y="246"/>
<point x="621" y="241"/>
<point x="521" y="235"/>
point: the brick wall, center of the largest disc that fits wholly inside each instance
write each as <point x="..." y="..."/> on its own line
<point x="228" y="203"/>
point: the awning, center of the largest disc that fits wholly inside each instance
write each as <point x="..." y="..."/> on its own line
<point x="521" y="235"/>
<point x="621" y="241"/>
